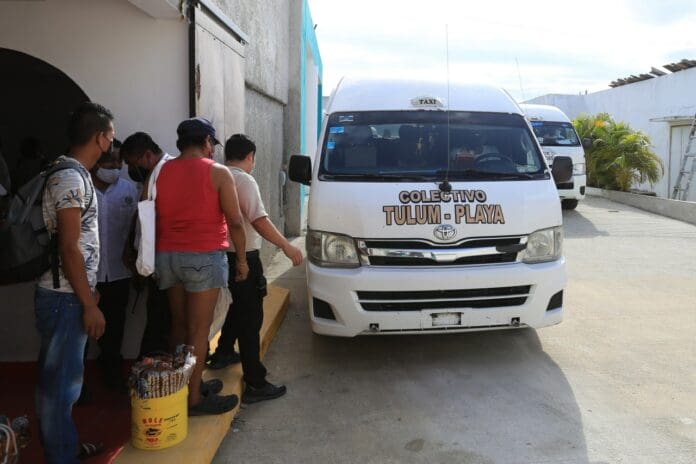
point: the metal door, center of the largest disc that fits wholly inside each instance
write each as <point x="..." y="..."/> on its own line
<point x="219" y="78"/>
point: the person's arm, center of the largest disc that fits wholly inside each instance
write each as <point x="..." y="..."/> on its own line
<point x="268" y="230"/>
<point x="223" y="180"/>
<point x="73" y="263"/>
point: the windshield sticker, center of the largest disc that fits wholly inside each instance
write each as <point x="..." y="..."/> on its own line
<point x="337" y="130"/>
<point x="330" y="145"/>
<point x="418" y="207"/>
<point x="537" y="123"/>
<point x="345" y="118"/>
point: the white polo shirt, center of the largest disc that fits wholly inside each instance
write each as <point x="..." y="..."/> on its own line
<point x="251" y="205"/>
<point x="117" y="207"/>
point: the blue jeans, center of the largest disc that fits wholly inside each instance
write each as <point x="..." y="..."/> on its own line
<point x="61" y="365"/>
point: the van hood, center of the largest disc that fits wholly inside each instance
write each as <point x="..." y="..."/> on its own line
<point x="414" y="210"/>
<point x="576" y="153"/>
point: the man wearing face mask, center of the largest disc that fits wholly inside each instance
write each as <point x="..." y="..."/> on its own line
<point x="117" y="200"/>
<point x="143" y="155"/>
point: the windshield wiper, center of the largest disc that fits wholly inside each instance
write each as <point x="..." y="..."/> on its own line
<point x="477" y="174"/>
<point x="377" y="176"/>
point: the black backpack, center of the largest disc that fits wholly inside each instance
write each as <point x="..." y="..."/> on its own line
<point x="26" y="249"/>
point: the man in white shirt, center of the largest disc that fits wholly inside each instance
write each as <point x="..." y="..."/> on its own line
<point x="245" y="316"/>
<point x="118" y="202"/>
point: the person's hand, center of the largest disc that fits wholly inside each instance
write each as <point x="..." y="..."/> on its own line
<point x="93" y="320"/>
<point x="294" y="253"/>
<point x="242" y="269"/>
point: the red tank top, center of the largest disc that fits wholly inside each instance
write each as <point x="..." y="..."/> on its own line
<point x="189" y="216"/>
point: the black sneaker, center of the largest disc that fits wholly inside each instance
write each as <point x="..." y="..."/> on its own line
<point x="267" y="392"/>
<point x="212" y="386"/>
<point x="213" y="404"/>
<point x="218" y="361"/>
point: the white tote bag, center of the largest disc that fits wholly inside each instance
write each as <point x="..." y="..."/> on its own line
<point x="221" y="307"/>
<point x="147" y="217"/>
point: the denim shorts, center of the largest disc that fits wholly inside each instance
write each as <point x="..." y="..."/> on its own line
<point x="195" y="271"/>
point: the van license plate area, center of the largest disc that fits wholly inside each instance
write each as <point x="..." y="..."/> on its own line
<point x="446" y="319"/>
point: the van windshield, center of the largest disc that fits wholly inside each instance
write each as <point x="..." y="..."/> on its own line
<point x="555" y="134"/>
<point x="416" y="145"/>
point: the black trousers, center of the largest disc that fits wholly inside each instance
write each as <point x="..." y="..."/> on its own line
<point x="159" y="320"/>
<point x="245" y="318"/>
<point x="113" y="302"/>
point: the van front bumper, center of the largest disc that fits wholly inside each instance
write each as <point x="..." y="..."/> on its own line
<point x="338" y="302"/>
<point x="573" y="190"/>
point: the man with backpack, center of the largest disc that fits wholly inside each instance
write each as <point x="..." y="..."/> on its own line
<point x="67" y="310"/>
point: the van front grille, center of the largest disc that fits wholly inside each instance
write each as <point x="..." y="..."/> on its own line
<point x="467" y="252"/>
<point x="443" y="299"/>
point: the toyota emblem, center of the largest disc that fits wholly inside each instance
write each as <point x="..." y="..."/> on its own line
<point x="445" y="232"/>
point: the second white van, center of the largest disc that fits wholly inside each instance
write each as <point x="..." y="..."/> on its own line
<point x="557" y="137"/>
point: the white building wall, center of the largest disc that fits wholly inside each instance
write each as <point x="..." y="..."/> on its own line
<point x="133" y="64"/>
<point x="653" y="107"/>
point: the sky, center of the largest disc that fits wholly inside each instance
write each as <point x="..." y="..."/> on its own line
<point x="529" y="48"/>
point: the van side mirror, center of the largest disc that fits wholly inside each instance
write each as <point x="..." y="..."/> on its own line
<point x="587" y="143"/>
<point x="562" y="169"/>
<point x="300" y="169"/>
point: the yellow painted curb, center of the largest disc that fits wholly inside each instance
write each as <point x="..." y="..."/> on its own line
<point x="207" y="432"/>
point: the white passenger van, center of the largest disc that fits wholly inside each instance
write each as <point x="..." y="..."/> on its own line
<point x="430" y="215"/>
<point x="557" y="136"/>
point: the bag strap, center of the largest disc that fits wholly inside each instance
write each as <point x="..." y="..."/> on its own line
<point x="152" y="181"/>
<point x="71" y="164"/>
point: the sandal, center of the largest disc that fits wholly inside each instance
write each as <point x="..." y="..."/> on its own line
<point x="213" y="404"/>
<point x="87" y="450"/>
<point x="213" y="386"/>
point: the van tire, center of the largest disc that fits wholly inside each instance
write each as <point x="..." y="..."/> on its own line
<point x="569" y="204"/>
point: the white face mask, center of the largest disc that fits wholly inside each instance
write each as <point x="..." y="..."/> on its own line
<point x="108" y="175"/>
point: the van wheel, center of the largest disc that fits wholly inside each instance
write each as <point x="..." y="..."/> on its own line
<point x="569" y="204"/>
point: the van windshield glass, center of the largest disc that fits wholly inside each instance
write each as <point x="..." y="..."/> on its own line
<point x="555" y="134"/>
<point x="413" y="145"/>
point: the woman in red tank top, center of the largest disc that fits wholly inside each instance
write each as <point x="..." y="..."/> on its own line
<point x="196" y="202"/>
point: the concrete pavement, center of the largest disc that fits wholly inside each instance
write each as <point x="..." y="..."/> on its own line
<point x="614" y="383"/>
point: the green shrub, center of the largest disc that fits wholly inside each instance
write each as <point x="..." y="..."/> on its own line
<point x="619" y="157"/>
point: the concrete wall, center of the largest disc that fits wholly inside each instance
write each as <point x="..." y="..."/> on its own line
<point x="276" y="92"/>
<point x="292" y="123"/>
<point x="647" y="106"/>
<point x="267" y="82"/>
<point x="675" y="209"/>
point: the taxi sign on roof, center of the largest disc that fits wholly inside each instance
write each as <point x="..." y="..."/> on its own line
<point x="426" y="101"/>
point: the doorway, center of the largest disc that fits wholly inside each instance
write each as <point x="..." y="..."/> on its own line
<point x="679" y="138"/>
<point x="37" y="99"/>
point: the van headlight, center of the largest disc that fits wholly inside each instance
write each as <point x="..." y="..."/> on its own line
<point x="331" y="250"/>
<point x="579" y="169"/>
<point x="543" y="246"/>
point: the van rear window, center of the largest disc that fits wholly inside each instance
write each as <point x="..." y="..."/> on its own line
<point x="429" y="145"/>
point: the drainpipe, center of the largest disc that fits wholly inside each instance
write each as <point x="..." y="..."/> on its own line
<point x="191" y="17"/>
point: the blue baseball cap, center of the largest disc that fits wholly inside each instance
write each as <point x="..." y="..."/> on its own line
<point x="197" y="127"/>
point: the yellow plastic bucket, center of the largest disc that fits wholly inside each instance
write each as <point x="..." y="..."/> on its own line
<point x="159" y="422"/>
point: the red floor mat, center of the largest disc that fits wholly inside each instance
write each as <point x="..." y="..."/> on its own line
<point x="104" y="418"/>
